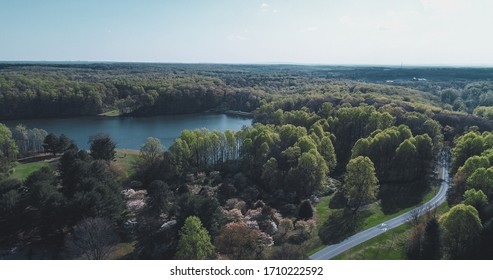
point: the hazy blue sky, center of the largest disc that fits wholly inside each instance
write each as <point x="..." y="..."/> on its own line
<point x="452" y="32"/>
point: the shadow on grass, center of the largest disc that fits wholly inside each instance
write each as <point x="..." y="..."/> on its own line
<point x="341" y="224"/>
<point x="395" y="197"/>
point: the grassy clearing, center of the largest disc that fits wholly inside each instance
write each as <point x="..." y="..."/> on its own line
<point x="125" y="160"/>
<point x="322" y="210"/>
<point x="112" y="113"/>
<point x="22" y="170"/>
<point x="122" y="250"/>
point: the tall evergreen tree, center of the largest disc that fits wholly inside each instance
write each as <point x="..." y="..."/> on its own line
<point x="431" y="241"/>
<point x="195" y="242"/>
<point x="102" y="147"/>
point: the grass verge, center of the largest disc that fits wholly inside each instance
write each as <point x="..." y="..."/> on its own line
<point x="376" y="216"/>
<point x="390" y="245"/>
<point x="372" y="216"/>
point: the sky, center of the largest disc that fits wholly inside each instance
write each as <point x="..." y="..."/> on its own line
<point x="347" y="32"/>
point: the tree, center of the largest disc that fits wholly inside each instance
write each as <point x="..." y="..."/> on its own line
<point x="93" y="239"/>
<point x="238" y="241"/>
<point x="159" y="197"/>
<point x="482" y="179"/>
<point x="151" y="151"/>
<point x="102" y="147"/>
<point x="405" y="162"/>
<point x="287" y="252"/>
<point x="205" y="207"/>
<point x="431" y="241"/>
<point x="475" y="198"/>
<point x="64" y="144"/>
<point x="328" y="152"/>
<point x="305" y="210"/>
<point x="467" y="145"/>
<point x="271" y="175"/>
<point x="360" y="182"/>
<point x="461" y="230"/>
<point x="50" y="144"/>
<point x="8" y="148"/>
<point x="20" y="136"/>
<point x="415" y="242"/>
<point x="309" y="175"/>
<point x="195" y="242"/>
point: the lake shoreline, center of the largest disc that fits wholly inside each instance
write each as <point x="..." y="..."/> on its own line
<point x="132" y="132"/>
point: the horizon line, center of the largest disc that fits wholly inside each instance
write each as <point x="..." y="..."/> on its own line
<point x="472" y="65"/>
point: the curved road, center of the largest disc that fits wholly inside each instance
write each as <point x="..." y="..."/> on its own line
<point x="336" y="249"/>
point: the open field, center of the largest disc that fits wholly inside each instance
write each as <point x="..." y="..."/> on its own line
<point x="23" y="170"/>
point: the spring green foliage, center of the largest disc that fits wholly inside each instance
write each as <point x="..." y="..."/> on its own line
<point x="352" y="124"/>
<point x="8" y="148"/>
<point x="195" y="242"/>
<point x="397" y="155"/>
<point x="29" y="140"/>
<point x="307" y="129"/>
<point x="482" y="179"/>
<point x="360" y="182"/>
<point x="470" y="144"/>
<point x="461" y="229"/>
<point x="151" y="151"/>
<point x="475" y="198"/>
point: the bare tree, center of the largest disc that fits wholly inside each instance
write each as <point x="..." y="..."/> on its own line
<point x="93" y="239"/>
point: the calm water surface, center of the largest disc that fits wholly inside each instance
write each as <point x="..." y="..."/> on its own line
<point x="131" y="133"/>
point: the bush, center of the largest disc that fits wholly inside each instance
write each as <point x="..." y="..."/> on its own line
<point x="305" y="210"/>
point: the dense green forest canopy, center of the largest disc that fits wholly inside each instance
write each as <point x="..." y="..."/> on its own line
<point x="67" y="89"/>
<point x="337" y="133"/>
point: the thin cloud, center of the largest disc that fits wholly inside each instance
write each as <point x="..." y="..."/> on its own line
<point x="444" y="6"/>
<point x="345" y="20"/>
<point x="237" y="38"/>
<point x="264" y="7"/>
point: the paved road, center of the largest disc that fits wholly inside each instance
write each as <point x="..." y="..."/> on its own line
<point x="336" y="249"/>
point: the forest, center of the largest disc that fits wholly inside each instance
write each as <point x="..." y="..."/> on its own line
<point x="332" y="150"/>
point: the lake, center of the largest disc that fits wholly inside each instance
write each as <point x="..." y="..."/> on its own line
<point x="131" y="133"/>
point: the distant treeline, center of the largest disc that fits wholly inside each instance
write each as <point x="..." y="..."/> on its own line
<point x="54" y="90"/>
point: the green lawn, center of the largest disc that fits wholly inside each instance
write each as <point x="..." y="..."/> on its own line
<point x="322" y="210"/>
<point x="23" y="170"/>
<point x="125" y="159"/>
<point x="112" y="113"/>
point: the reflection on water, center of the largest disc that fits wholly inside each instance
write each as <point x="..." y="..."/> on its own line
<point x="131" y="133"/>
